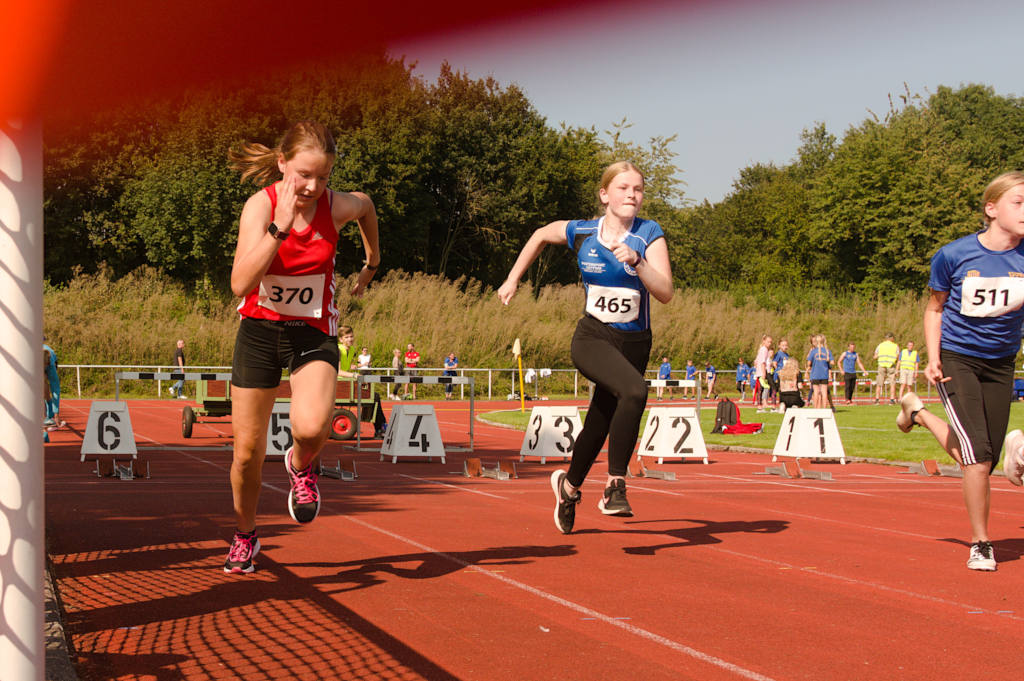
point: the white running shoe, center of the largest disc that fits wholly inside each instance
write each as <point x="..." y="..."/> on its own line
<point x="1013" y="458"/>
<point x="982" y="557"/>
<point x="909" y="405"/>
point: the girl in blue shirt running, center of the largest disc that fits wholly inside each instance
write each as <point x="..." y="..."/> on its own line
<point x="623" y="261"/>
<point x="972" y="329"/>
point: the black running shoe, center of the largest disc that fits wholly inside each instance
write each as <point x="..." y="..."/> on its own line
<point x="304" y="497"/>
<point x="614" y="500"/>
<point x="565" y="505"/>
<point x="244" y="547"/>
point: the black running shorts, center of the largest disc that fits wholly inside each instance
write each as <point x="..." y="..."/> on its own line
<point x="977" y="400"/>
<point x="264" y="347"/>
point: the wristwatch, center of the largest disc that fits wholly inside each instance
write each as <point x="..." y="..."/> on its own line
<point x="277" y="232"/>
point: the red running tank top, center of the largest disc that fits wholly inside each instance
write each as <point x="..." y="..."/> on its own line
<point x="299" y="284"/>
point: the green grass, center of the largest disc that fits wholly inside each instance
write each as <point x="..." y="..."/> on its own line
<point x="867" y="431"/>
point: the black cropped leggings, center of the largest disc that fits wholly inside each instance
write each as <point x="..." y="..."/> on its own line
<point x="615" y="361"/>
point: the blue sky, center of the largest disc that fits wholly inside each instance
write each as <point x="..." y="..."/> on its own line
<point x="737" y="81"/>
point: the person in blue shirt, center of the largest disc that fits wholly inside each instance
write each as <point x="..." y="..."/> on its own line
<point x="742" y="371"/>
<point x="691" y="375"/>
<point x="51" y="401"/>
<point x="849" y="361"/>
<point x="778" y="361"/>
<point x="623" y="260"/>
<point x="819" y="362"/>
<point x="711" y="376"/>
<point x="451" y="363"/>
<point x="972" y="330"/>
<point x="664" y="374"/>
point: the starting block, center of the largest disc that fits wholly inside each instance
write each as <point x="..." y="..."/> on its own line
<point x="931" y="468"/>
<point x="345" y="470"/>
<point x="503" y="470"/>
<point x="110" y="468"/>
<point x="794" y="471"/>
<point x="637" y="469"/>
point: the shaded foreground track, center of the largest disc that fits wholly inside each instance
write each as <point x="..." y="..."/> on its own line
<point x="413" y="572"/>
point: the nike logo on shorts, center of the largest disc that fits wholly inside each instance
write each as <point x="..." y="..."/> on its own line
<point x="303" y="354"/>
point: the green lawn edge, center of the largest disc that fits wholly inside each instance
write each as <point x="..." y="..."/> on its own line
<point x="868" y="432"/>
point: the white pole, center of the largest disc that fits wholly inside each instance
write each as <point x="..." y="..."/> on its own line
<point x="21" y="393"/>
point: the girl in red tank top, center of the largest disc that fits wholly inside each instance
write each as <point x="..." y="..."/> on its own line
<point x="284" y="271"/>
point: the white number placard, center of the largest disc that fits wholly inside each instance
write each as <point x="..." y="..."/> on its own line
<point x="279" y="430"/>
<point x="673" y="432"/>
<point x="810" y="434"/>
<point x="109" y="429"/>
<point x="551" y="433"/>
<point x="413" y="431"/>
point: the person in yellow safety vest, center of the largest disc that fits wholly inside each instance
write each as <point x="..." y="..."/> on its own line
<point x="886" y="353"/>
<point x="908" y="369"/>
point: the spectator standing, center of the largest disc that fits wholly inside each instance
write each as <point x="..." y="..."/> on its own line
<point x="451" y="363"/>
<point x="664" y="374"/>
<point x="886" y="352"/>
<point x="179" y="366"/>
<point x="346" y="337"/>
<point x="819" y="362"/>
<point x="711" y="376"/>
<point x="908" y="365"/>
<point x="849" y="361"/>
<point x="51" y="397"/>
<point x="412" y="361"/>
<point x="398" y="367"/>
<point x="778" y="361"/>
<point x="691" y="375"/>
<point x="363" y="359"/>
<point x="742" y="371"/>
<point x="762" y="368"/>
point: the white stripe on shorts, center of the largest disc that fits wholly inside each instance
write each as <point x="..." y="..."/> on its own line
<point x="966" y="448"/>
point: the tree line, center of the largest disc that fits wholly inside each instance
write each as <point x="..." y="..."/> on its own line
<point x="462" y="170"/>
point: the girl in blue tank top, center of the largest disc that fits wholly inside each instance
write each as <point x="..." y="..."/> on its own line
<point x="623" y="261"/>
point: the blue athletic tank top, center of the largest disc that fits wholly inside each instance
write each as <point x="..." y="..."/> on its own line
<point x="614" y="293"/>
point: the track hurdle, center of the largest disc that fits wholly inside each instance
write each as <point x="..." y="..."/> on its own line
<point x="675" y="383"/>
<point x="165" y="376"/>
<point x="423" y="380"/>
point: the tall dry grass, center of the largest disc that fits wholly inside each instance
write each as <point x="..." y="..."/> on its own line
<point x="137" y="319"/>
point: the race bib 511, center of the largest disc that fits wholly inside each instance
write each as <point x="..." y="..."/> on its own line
<point x="991" y="296"/>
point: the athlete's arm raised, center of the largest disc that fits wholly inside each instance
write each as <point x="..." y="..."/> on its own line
<point x="552" y="233"/>
<point x="256" y="248"/>
<point x="358" y="206"/>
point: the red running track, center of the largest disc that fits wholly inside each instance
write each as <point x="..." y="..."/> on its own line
<point x="413" y="572"/>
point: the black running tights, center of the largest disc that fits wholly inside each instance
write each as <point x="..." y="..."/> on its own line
<point x="615" y="361"/>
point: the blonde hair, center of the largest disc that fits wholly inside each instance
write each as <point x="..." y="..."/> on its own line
<point x="615" y="169"/>
<point x="344" y="330"/>
<point x="258" y="163"/>
<point x="996" y="188"/>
